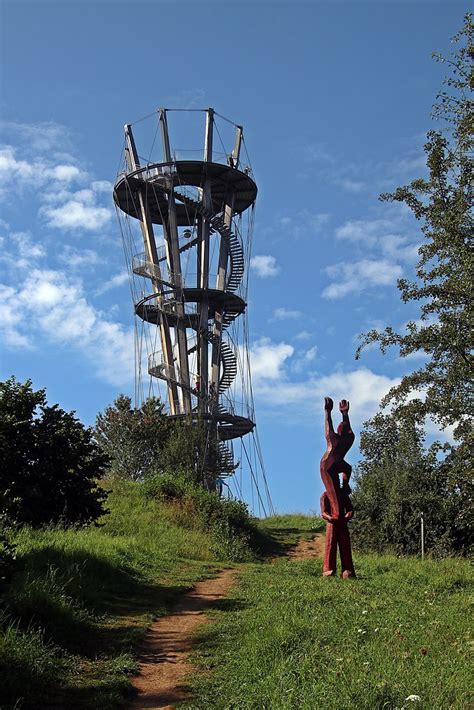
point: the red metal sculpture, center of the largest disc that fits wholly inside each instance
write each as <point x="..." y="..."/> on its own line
<point x="336" y="506"/>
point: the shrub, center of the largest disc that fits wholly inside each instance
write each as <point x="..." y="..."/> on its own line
<point x="49" y="462"/>
<point x="167" y="486"/>
<point x="236" y="537"/>
<point x="7" y="552"/>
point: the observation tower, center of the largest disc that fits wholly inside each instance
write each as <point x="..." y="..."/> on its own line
<point x="186" y="219"/>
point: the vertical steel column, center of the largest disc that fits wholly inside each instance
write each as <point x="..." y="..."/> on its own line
<point x="222" y="268"/>
<point x="203" y="268"/>
<point x="146" y="225"/>
<point x="174" y="266"/>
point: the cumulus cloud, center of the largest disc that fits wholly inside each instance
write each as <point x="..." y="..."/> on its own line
<point x="78" y="258"/>
<point x="267" y="359"/>
<point x="9" y="317"/>
<point x="37" y="171"/>
<point x="362" y="387"/>
<point x="357" y="276"/>
<point x="51" y="305"/>
<point x="43" y="137"/>
<point x="264" y="266"/>
<point x="390" y="237"/>
<point x="75" y="214"/>
<point x="41" y="306"/>
<point x="63" y="207"/>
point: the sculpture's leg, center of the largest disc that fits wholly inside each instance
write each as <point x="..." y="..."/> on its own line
<point x="331" y="484"/>
<point x="330" y="552"/>
<point x="345" y="550"/>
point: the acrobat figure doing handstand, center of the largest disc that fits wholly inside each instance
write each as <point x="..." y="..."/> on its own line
<point x="336" y="506"/>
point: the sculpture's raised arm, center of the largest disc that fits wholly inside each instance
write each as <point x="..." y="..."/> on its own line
<point x="344" y="409"/>
<point x="328" y="425"/>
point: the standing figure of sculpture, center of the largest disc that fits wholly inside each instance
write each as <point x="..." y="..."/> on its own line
<point x="336" y="506"/>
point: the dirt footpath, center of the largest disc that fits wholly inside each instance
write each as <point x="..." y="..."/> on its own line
<point x="164" y="663"/>
<point x="306" y="549"/>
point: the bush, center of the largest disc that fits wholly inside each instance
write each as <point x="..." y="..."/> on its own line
<point x="167" y="486"/>
<point x="236" y="537"/>
<point x="49" y="462"/>
<point x="7" y="553"/>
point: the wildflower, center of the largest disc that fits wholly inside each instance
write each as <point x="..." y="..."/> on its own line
<point x="413" y="699"/>
<point x="365" y="611"/>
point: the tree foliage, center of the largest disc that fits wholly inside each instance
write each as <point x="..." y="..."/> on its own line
<point x="442" y="202"/>
<point x="133" y="439"/>
<point x="49" y="462"/>
<point x="143" y="441"/>
<point x="397" y="480"/>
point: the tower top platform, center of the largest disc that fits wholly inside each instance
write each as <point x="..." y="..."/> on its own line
<point x="224" y="181"/>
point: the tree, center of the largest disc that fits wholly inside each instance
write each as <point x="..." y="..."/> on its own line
<point x="144" y="440"/>
<point x="133" y="439"/>
<point x="443" y="204"/>
<point x="397" y="480"/>
<point x="192" y="447"/>
<point x="49" y="462"/>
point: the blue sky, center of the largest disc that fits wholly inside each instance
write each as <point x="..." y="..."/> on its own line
<point x="335" y="100"/>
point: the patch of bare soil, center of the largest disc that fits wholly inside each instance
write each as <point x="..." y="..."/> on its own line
<point x="164" y="663"/>
<point x="306" y="549"/>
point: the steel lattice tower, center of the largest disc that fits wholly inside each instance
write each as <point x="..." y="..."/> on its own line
<point x="191" y="295"/>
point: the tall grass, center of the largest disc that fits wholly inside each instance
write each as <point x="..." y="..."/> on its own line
<point x="288" y="638"/>
<point x="81" y="600"/>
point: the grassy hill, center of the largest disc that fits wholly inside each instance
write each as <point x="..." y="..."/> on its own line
<point x="80" y="601"/>
<point x="290" y="638"/>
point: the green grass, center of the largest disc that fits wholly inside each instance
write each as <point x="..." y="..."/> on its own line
<point x="286" y="530"/>
<point x="81" y="600"/>
<point x="288" y="638"/>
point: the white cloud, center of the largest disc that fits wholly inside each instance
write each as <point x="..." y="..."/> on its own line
<point x="267" y="359"/>
<point x="286" y="314"/>
<point x="11" y="168"/>
<point x="310" y="354"/>
<point x="362" y="387"/>
<point x="53" y="306"/>
<point x="301" y="362"/>
<point x="102" y="186"/>
<point x="35" y="172"/>
<point x="117" y="280"/>
<point x="9" y="318"/>
<point x="391" y="237"/>
<point x="76" y="214"/>
<point x="264" y="266"/>
<point x="62" y="208"/>
<point x="357" y="276"/>
<point x="78" y="258"/>
<point x="43" y="137"/>
<point x="63" y="173"/>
